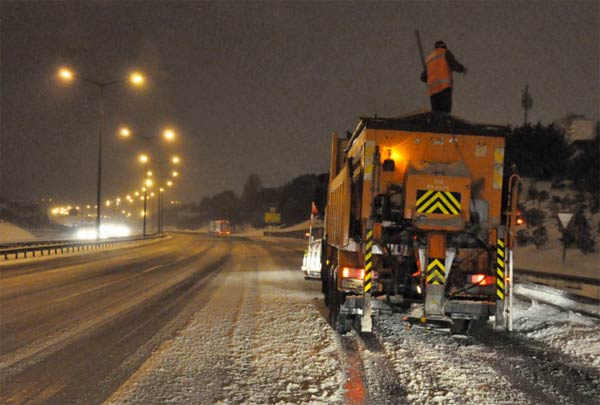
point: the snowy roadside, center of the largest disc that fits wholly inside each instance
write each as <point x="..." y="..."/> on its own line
<point x="437" y="368"/>
<point x="569" y="332"/>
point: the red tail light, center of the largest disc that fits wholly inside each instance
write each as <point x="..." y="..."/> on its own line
<point x="482" y="279"/>
<point x="348" y="272"/>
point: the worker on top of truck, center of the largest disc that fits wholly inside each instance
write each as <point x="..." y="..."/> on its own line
<point x="438" y="75"/>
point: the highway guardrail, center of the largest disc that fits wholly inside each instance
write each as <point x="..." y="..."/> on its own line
<point x="22" y="250"/>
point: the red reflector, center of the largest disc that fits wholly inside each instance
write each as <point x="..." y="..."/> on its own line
<point x="482" y="279"/>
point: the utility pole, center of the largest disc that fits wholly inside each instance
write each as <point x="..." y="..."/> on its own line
<point x="526" y="101"/>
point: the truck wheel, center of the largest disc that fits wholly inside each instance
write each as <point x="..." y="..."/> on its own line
<point x="341" y="323"/>
<point x="325" y="286"/>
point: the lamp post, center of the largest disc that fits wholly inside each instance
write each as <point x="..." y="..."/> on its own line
<point x="159" y="213"/>
<point x="169" y="135"/>
<point x="169" y="183"/>
<point x="136" y="79"/>
<point x="144" y="159"/>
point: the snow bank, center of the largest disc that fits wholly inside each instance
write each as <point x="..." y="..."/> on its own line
<point x="12" y="233"/>
<point x="571" y="333"/>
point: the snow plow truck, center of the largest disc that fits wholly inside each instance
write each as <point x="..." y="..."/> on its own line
<point x="413" y="222"/>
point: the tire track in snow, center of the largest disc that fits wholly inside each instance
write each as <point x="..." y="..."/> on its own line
<point x="371" y="377"/>
<point x="354" y="385"/>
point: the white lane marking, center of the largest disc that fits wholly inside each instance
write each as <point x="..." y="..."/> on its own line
<point x="153" y="268"/>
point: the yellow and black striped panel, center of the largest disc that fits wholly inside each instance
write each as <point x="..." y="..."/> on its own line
<point x="368" y="261"/>
<point x="436" y="272"/>
<point x="438" y="202"/>
<point x="500" y="252"/>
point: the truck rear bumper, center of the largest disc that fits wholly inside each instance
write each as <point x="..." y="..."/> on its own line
<point x="465" y="309"/>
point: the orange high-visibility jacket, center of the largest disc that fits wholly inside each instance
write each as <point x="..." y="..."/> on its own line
<point x="439" y="75"/>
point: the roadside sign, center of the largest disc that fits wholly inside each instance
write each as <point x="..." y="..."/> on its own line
<point x="565" y="218"/>
<point x="272" y="217"/>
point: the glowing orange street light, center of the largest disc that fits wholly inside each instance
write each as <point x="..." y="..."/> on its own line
<point x="125" y="132"/>
<point x="169" y="134"/>
<point x="65" y="74"/>
<point x="137" y="79"/>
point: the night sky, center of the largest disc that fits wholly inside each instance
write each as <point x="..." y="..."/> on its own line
<point x="258" y="87"/>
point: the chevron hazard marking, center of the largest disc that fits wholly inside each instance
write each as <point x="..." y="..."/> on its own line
<point x="438" y="202"/>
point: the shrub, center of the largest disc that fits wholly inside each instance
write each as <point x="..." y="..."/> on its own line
<point x="568" y="237"/>
<point x="539" y="236"/>
<point x="532" y="192"/>
<point x="567" y="201"/>
<point x="534" y="217"/>
<point x="584" y="239"/>
<point x="523" y="237"/>
<point x="595" y="203"/>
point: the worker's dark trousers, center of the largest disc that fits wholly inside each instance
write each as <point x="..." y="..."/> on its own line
<point x="442" y="101"/>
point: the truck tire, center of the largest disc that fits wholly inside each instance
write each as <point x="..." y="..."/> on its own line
<point x="341" y="323"/>
<point x="325" y="283"/>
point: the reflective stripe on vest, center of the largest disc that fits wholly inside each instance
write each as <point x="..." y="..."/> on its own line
<point x="439" y="75"/>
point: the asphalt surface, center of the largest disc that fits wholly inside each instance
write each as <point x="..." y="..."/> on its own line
<point x="74" y="328"/>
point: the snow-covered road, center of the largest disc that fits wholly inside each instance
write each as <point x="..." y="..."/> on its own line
<point x="263" y="338"/>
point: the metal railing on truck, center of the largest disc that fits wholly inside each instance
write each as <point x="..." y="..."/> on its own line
<point x="29" y="249"/>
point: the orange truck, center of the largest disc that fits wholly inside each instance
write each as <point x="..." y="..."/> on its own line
<point x="413" y="223"/>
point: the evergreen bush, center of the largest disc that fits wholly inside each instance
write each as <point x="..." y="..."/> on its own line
<point x="539" y="236"/>
<point x="523" y="237"/>
<point x="534" y="217"/>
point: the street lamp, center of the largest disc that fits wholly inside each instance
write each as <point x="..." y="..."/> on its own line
<point x="136" y="79"/>
<point x="147" y="183"/>
<point x="168" y="135"/>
